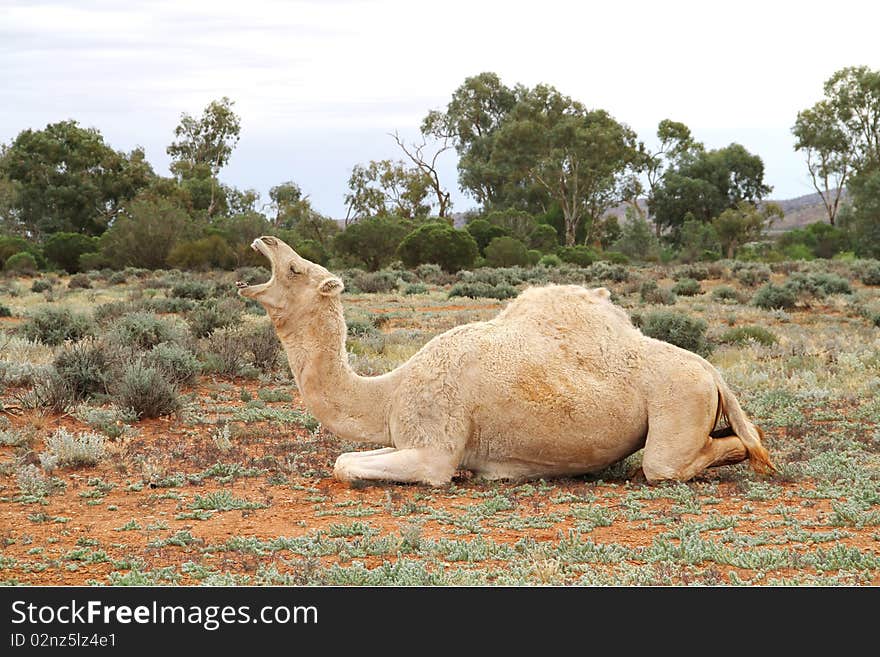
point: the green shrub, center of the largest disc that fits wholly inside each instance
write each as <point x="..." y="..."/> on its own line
<point x="143" y="330"/>
<point x="580" y="255"/>
<point x="696" y="272"/>
<point x="21" y="263"/>
<point x="92" y="261"/>
<point x="372" y="242"/>
<point x="725" y="293"/>
<point x="147" y="391"/>
<point x="5" y="311"/>
<point x="376" y="282"/>
<point x="207" y="317"/>
<point x="544" y="238"/>
<point x="53" y="325"/>
<point x="210" y="252"/>
<point x="117" y="278"/>
<point x="225" y="353"/>
<point x="771" y="297"/>
<point x="751" y="274"/>
<point x="678" y="329"/>
<point x="79" y="282"/>
<point x="506" y="252"/>
<point x="178" y="363"/>
<point x="441" y="244"/>
<point x="869" y="272"/>
<point x="65" y="249"/>
<point x="40" y="285"/>
<point x="196" y="290"/>
<point x="534" y="257"/>
<point x="85" y="367"/>
<point x="745" y="334"/>
<point x="651" y="292"/>
<point x="550" y="260"/>
<point x="415" y="288"/>
<point x="484" y="232"/>
<point x="262" y="346"/>
<point x="687" y="287"/>
<point x="477" y="289"/>
<point x="431" y="274"/>
<point x="605" y="271"/>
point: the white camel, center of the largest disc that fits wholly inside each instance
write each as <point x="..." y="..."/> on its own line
<point x="559" y="383"/>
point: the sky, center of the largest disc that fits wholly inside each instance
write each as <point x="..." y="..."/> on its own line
<point x="319" y="85"/>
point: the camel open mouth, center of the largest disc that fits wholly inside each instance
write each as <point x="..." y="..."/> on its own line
<point x="261" y="247"/>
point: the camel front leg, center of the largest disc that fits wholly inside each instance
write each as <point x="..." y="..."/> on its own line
<point x="413" y="465"/>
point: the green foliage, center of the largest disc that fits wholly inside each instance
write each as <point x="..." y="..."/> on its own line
<point x="146" y="390"/>
<point x="651" y="292"/>
<point x="744" y="223"/>
<point x="751" y="274"/>
<point x="637" y="239"/>
<point x="816" y="240"/>
<point x="144" y="330"/>
<point x="68" y="179"/>
<point x="65" y="249"/>
<point x="477" y="289"/>
<point x="415" y="288"/>
<point x="191" y="289"/>
<point x="5" y="311"/>
<point x="744" y="334"/>
<point x="146" y="233"/>
<point x="440" y="244"/>
<point x="817" y="284"/>
<point x="10" y="245"/>
<point x="21" y="263"/>
<point x="725" y="293"/>
<point x="209" y="316"/>
<point x="210" y="252"/>
<point x="772" y="296"/>
<point x="687" y="287"/>
<point x="53" y="325"/>
<point x="506" y="252"/>
<point x="859" y="218"/>
<point x="544" y="238"/>
<point x="484" y="232"/>
<point x="678" y="329"/>
<point x="869" y="272"/>
<point x="550" y="260"/>
<point x="580" y="255"/>
<point x="176" y="362"/>
<point x="533" y="256"/>
<point x="373" y="241"/>
<point x="84" y="366"/>
<point x="388" y="188"/>
<point x="698" y="241"/>
<point x="374" y="282"/>
<point x="79" y="282"/>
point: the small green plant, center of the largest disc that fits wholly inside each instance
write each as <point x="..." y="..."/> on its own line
<point x="207" y="317"/>
<point x="143" y="331"/>
<point x="79" y="282"/>
<point x="223" y="500"/>
<point x="477" y="290"/>
<point x="5" y="311"/>
<point x="21" y="263"/>
<point x="725" y="294"/>
<point x="196" y="290"/>
<point x="415" y="288"/>
<point x="85" y="368"/>
<point x="40" y="285"/>
<point x="178" y="363"/>
<point x="63" y="449"/>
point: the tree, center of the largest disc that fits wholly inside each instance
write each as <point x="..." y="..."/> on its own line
<point x="704" y="184"/>
<point x="577" y="156"/>
<point x="744" y="223"/>
<point x="65" y="178"/>
<point x="472" y="116"/>
<point x="427" y="165"/>
<point x="861" y="217"/>
<point x="483" y="232"/>
<point x="293" y="211"/>
<point x="825" y="141"/>
<point x="373" y="241"/>
<point x="386" y="188"/>
<point x="440" y="244"/>
<point x="203" y="146"/>
<point x="506" y="252"/>
<point x="64" y="249"/>
<point x="637" y="240"/>
<point x="544" y="238"/>
<point x="145" y="235"/>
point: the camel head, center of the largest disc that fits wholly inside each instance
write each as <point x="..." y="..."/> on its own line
<point x="296" y="285"/>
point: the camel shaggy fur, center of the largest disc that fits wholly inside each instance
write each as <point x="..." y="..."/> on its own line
<point x="559" y="383"/>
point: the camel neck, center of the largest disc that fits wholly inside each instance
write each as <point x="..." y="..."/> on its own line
<point x="347" y="404"/>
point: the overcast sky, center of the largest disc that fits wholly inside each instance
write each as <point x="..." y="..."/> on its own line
<point x="319" y="85"/>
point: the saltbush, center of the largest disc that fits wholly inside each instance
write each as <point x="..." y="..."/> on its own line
<point x="771" y="297"/>
<point x="21" y="263"/>
<point x="63" y="449"/>
<point x="79" y="282"/>
<point x="651" y="292"/>
<point x="869" y="272"/>
<point x="85" y="368"/>
<point x="477" y="289"/>
<point x="178" y="363"/>
<point x="745" y="334"/>
<point x="196" y="290"/>
<point x="147" y="391"/>
<point x="725" y="293"/>
<point x="678" y="329"/>
<point x="143" y="330"/>
<point x="40" y="285"/>
<point x="53" y="325"/>
<point x="687" y="287"/>
<point x="207" y="317"/>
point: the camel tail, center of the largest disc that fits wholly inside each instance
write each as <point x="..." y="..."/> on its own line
<point x="748" y="433"/>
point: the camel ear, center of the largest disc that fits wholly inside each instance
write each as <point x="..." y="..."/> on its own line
<point x="330" y="286"/>
<point x="602" y="292"/>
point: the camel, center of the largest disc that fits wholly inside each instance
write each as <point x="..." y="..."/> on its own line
<point x="560" y="383"/>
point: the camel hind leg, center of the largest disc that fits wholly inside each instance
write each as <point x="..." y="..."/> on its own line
<point x="679" y="445"/>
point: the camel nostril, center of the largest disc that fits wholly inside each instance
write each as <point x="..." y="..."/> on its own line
<point x="269" y="241"/>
